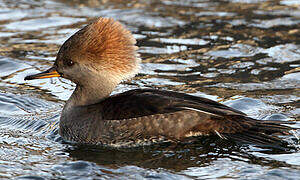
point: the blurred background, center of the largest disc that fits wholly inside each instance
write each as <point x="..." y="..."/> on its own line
<point x="243" y="53"/>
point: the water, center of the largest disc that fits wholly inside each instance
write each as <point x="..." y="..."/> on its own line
<point x="243" y="53"/>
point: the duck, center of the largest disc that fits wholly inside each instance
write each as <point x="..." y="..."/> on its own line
<point x="100" y="56"/>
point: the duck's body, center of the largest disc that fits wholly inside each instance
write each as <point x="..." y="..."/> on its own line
<point x="101" y="55"/>
<point x="146" y="116"/>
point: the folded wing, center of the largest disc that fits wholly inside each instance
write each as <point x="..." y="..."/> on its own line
<point x="152" y="113"/>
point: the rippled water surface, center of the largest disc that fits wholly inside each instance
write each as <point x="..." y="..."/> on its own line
<point x="243" y="53"/>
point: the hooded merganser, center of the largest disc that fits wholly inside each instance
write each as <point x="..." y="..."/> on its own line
<point x="102" y="54"/>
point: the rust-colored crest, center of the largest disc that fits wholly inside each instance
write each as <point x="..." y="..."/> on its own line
<point x="105" y="44"/>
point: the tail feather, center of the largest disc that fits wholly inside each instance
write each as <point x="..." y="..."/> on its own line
<point x="273" y="128"/>
<point x="255" y="138"/>
<point x="261" y="134"/>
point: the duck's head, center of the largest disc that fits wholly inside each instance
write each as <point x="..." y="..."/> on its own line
<point x="103" y="51"/>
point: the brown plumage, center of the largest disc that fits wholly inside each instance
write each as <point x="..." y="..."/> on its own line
<point x="97" y="58"/>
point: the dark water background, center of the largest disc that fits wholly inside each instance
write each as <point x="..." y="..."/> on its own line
<point x="244" y="53"/>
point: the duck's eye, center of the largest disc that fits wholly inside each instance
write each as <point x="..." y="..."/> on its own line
<point x="69" y="62"/>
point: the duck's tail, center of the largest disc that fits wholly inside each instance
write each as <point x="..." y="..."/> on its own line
<point x="264" y="133"/>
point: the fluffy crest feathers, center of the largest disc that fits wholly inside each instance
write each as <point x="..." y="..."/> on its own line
<point x="104" y="45"/>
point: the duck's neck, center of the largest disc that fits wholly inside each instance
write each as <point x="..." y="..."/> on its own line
<point x="90" y="93"/>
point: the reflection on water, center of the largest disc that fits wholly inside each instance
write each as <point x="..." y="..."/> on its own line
<point x="244" y="53"/>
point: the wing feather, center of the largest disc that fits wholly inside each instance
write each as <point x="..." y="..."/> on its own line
<point x="146" y="113"/>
